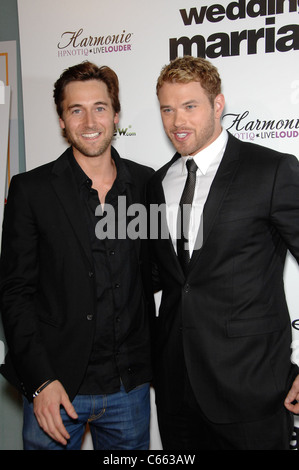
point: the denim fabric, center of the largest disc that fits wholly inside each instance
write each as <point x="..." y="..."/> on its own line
<point x="117" y="421"/>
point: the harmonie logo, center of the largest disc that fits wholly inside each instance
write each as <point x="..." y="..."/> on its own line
<point x="77" y="43"/>
<point x="242" y="126"/>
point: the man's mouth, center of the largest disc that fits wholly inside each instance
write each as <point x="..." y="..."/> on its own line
<point x="180" y="136"/>
<point x="91" y="135"/>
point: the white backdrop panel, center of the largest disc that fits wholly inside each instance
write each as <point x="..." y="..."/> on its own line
<point x="254" y="44"/>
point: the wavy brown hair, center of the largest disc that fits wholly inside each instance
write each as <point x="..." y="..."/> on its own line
<point x="83" y="72"/>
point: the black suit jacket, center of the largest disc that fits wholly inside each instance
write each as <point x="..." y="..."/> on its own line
<point x="227" y="320"/>
<point x="46" y="283"/>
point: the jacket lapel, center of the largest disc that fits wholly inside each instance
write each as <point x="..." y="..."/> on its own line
<point x="158" y="197"/>
<point x="219" y="188"/>
<point x="64" y="185"/>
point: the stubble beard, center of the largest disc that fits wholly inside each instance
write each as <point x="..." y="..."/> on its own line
<point x="203" y="137"/>
<point x="87" y="150"/>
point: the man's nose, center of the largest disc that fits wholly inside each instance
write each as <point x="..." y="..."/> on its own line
<point x="179" y="118"/>
<point x="89" y="119"/>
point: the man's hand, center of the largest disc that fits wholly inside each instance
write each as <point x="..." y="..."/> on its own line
<point x="46" y="408"/>
<point x="293" y="396"/>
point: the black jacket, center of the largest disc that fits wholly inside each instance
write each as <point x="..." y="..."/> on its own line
<point x="227" y="320"/>
<point x="46" y="288"/>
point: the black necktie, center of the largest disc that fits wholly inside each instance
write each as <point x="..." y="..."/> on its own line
<point x="184" y="215"/>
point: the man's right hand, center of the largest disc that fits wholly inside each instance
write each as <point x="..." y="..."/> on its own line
<point x="46" y="408"/>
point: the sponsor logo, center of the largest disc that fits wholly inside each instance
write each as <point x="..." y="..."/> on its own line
<point x="242" y="126"/>
<point x="266" y="39"/>
<point x="295" y="437"/>
<point x="295" y="347"/>
<point x="124" y="132"/>
<point x="78" y="43"/>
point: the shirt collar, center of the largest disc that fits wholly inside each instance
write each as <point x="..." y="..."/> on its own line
<point x="209" y="155"/>
<point x="122" y="174"/>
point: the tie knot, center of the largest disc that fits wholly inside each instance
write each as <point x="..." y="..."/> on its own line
<point x="191" y="165"/>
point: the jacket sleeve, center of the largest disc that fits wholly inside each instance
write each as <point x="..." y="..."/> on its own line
<point x="18" y="287"/>
<point x="285" y="203"/>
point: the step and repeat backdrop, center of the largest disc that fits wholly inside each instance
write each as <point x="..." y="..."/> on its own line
<point x="253" y="43"/>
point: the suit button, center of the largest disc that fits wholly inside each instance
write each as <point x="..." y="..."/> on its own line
<point x="89" y="317"/>
<point x="186" y="288"/>
<point x="90" y="274"/>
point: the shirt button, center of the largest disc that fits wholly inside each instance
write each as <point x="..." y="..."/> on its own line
<point x="90" y="274"/>
<point x="186" y="288"/>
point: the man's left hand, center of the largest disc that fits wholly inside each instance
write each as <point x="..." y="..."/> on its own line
<point x="292" y="398"/>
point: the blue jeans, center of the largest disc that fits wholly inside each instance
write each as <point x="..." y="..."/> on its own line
<point x="117" y="421"/>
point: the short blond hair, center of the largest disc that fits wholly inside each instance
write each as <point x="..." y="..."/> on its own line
<point x="192" y="69"/>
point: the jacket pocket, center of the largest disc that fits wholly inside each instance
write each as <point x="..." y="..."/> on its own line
<point x="253" y="326"/>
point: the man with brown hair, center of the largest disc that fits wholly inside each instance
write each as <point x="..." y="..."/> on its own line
<point x="222" y="338"/>
<point x="75" y="305"/>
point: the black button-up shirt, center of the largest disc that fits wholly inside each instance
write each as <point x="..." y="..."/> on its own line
<point x="119" y="324"/>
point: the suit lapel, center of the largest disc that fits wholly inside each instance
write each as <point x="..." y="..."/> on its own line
<point x="64" y="185"/>
<point x="158" y="197"/>
<point x="219" y="188"/>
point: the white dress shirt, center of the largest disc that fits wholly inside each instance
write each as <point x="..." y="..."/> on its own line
<point x="208" y="161"/>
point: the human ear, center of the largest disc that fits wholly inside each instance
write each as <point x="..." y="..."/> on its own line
<point x="219" y="104"/>
<point x="116" y="118"/>
<point x="61" y="123"/>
